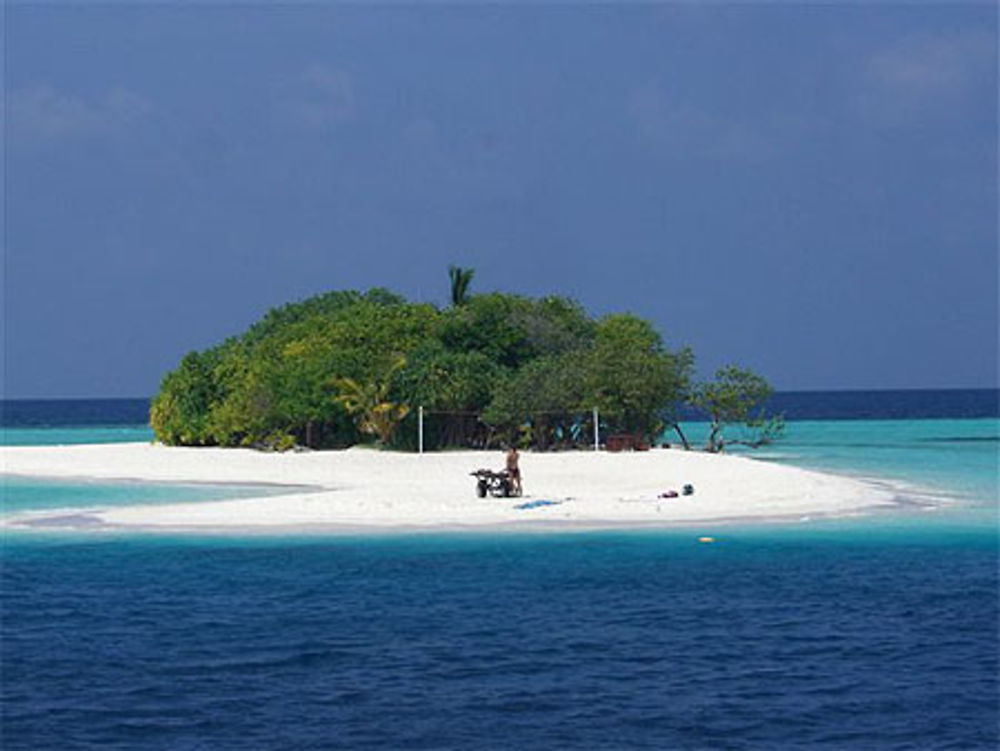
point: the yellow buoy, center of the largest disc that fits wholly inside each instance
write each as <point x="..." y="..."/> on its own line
<point x="706" y="539"/>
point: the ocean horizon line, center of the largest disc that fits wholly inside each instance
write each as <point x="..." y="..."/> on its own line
<point x="777" y="392"/>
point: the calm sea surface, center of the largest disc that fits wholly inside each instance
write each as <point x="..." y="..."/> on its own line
<point x="874" y="632"/>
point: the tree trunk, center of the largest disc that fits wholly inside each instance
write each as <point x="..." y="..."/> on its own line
<point x="715" y="444"/>
<point x="541" y="434"/>
<point x="684" y="440"/>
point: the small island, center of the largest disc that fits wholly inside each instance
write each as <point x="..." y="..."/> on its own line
<point x="489" y="370"/>
<point x="392" y="405"/>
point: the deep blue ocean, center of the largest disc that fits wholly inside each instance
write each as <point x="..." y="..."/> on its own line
<point x="876" y="632"/>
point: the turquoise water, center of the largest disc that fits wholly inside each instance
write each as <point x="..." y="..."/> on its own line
<point x="58" y="436"/>
<point x="952" y="464"/>
<point x="958" y="461"/>
<point x="950" y="456"/>
<point x="20" y="494"/>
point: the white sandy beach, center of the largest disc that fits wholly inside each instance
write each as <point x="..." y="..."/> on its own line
<point x="363" y="488"/>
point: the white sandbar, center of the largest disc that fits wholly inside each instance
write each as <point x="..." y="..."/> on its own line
<point x="369" y="489"/>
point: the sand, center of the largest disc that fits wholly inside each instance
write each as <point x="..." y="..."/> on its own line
<point x="365" y="489"/>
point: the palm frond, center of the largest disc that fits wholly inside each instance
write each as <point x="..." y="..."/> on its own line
<point x="460" y="280"/>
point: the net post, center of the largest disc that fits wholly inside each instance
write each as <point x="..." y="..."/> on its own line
<point x="420" y="429"/>
<point x="597" y="435"/>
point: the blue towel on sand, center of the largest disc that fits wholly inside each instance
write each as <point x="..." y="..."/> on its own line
<point x="536" y="504"/>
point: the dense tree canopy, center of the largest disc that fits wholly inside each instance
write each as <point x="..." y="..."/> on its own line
<point x="347" y="367"/>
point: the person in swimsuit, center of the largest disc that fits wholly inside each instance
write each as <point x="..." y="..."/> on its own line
<point x="513" y="470"/>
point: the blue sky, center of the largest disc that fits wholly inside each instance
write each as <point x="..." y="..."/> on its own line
<point x="809" y="190"/>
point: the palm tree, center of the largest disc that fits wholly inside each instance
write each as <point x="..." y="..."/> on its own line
<point x="370" y="405"/>
<point x="460" y="280"/>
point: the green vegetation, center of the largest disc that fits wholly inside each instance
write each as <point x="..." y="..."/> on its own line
<point x="460" y="280"/>
<point x="348" y="367"/>
<point x="369" y="403"/>
<point x="737" y="396"/>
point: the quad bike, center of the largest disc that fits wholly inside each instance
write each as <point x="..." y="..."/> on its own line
<point x="497" y="484"/>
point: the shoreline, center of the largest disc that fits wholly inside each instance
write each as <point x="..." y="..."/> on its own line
<point x="88" y="520"/>
<point x="363" y="490"/>
<point x="301" y="487"/>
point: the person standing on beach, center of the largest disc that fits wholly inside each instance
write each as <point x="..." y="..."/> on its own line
<point x="513" y="470"/>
